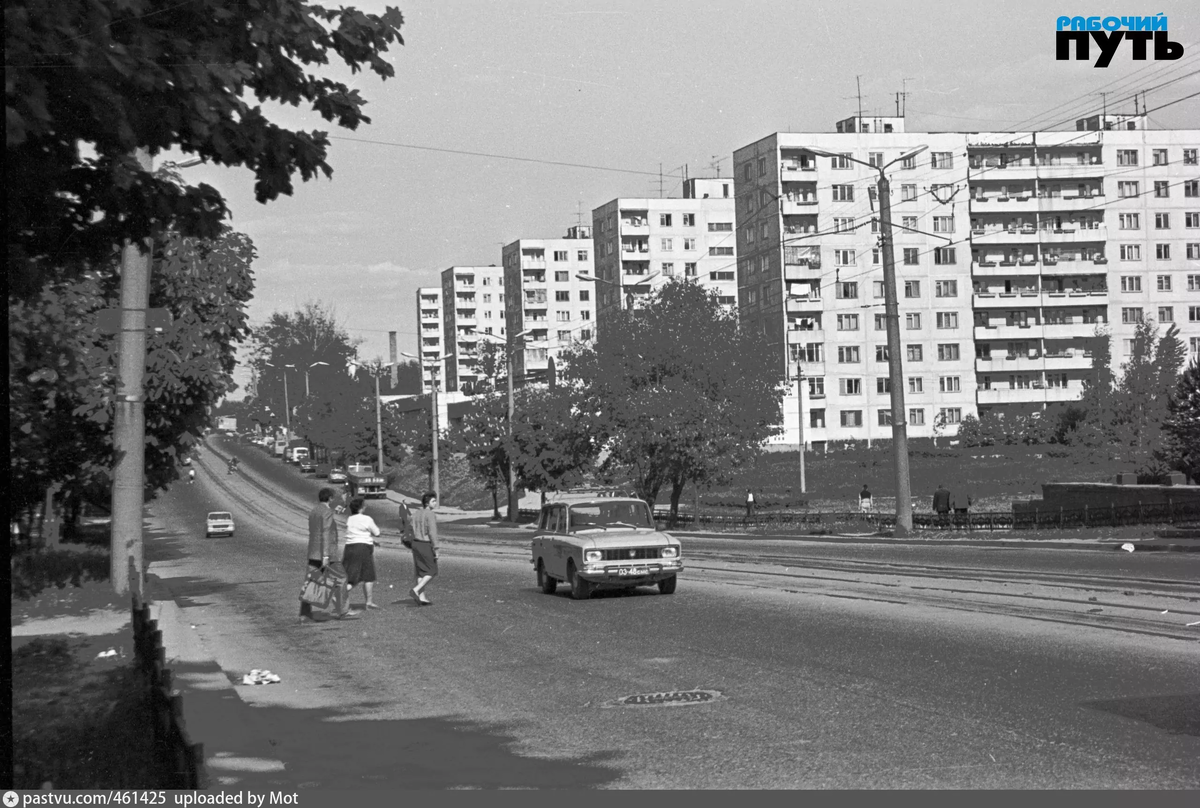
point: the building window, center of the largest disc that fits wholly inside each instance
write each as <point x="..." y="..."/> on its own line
<point x="668" y="269"/>
<point x="560" y="255"/>
<point x="720" y="227"/>
<point x="907" y="163"/>
<point x="816" y="418"/>
<point x="943" y="224"/>
<point x="562" y="297"/>
<point x="877" y="289"/>
<point x="689" y="269"/>
<point x="875" y="256"/>
<point x="881" y="353"/>
<point x="950" y="384"/>
<point x="563" y="316"/>
<point x="1189" y="157"/>
<point x="582" y="255"/>
<point x="847" y="322"/>
<point x="1166" y="314"/>
<point x="664" y="220"/>
<point x="1162" y="189"/>
<point x="916" y="384"/>
<point x="916" y="417"/>
<point x="875" y="159"/>
<point x="585" y="315"/>
<point x="843" y="258"/>
<point x="943" y="256"/>
<point x="843" y="224"/>
<point x="720" y="250"/>
<point x="945" y="289"/>
<point x="1191" y="188"/>
<point x="851" y="418"/>
<point x="1127" y="157"/>
<point x="951" y="415"/>
<point x="1131" y="252"/>
<point x="1131" y="315"/>
<point x="881" y="322"/>
<point x="948" y="352"/>
<point x="911" y="256"/>
<point x="721" y="276"/>
<point x="1194" y="314"/>
<point x="1129" y="221"/>
<point x="848" y="354"/>
<point x="562" y="276"/>
<point x="908" y="193"/>
<point x="947" y="319"/>
<point x="916" y="353"/>
<point x="1127" y="188"/>
<point x="1162" y="221"/>
<point x="816" y="387"/>
<point x="908" y="222"/>
<point x="1164" y="283"/>
<point x="912" y="321"/>
<point x="1160" y="156"/>
<point x="883" y="385"/>
<point x="668" y="244"/>
<point x="1162" y="252"/>
<point x="1131" y="283"/>
<point x="843" y="193"/>
<point x="912" y="288"/>
<point x="564" y="336"/>
<point x="1191" y="220"/>
<point x="689" y="244"/>
<point x="847" y="290"/>
<point x="841" y="160"/>
<point x="585" y="295"/>
<point x="689" y="220"/>
<point x="1193" y="251"/>
<point x="943" y="159"/>
<point x="850" y="387"/>
<point x="885" y="417"/>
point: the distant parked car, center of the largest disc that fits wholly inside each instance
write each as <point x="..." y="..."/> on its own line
<point x="218" y="522"/>
<point x="323" y="470"/>
<point x="337" y="475"/>
<point x="306" y="465"/>
<point x="610" y="542"/>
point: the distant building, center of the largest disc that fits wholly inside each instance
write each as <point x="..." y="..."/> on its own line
<point x="641" y="243"/>
<point x="1010" y="250"/>
<point x="549" y="306"/>
<point x="430" y="323"/>
<point x="474" y="299"/>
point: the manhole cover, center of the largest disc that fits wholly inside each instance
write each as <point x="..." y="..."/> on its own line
<point x="670" y="698"/>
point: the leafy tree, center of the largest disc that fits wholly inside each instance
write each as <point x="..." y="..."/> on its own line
<point x="680" y="394"/>
<point x="62" y="368"/>
<point x="552" y="447"/>
<point x="1182" y="426"/>
<point x="88" y="82"/>
<point x="482" y="434"/>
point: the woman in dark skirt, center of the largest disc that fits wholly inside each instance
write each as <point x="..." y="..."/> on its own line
<point x="359" y="555"/>
<point x="424" y="547"/>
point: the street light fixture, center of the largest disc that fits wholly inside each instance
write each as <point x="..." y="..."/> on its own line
<point x="306" y="370"/>
<point x="434" y="363"/>
<point x="510" y="345"/>
<point x="375" y="369"/>
<point x="904" y="523"/>
<point x="629" y="295"/>
<point x="287" y="409"/>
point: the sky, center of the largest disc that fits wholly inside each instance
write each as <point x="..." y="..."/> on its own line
<point x="510" y="120"/>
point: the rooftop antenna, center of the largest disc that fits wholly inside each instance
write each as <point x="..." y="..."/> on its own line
<point x="858" y="83"/>
<point x="579" y="214"/>
<point x="1104" y="107"/>
<point x="660" y="181"/>
<point x="903" y="97"/>
<point x="716" y="164"/>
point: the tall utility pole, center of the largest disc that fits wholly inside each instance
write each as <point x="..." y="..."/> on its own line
<point x="800" y="423"/>
<point x="434" y="482"/>
<point x="895" y="371"/>
<point x="378" y="423"/>
<point x="904" y="523"/>
<point x="129" y="416"/>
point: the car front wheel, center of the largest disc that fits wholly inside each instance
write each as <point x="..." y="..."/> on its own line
<point x="667" y="585"/>
<point x="580" y="589"/>
<point x="547" y="584"/>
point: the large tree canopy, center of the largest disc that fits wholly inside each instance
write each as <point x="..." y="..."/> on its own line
<point x="87" y="82"/>
<point x="676" y="391"/>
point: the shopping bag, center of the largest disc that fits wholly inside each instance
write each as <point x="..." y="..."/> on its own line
<point x="320" y="585"/>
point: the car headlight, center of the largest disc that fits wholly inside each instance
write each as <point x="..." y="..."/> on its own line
<point x="592" y="556"/>
<point x="670" y="552"/>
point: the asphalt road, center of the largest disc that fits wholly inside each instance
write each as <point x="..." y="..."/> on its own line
<point x="829" y="665"/>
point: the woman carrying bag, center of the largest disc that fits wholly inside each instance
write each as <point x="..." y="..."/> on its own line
<point x="424" y="547"/>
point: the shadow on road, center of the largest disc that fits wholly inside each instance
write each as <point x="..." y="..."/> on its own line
<point x="1179" y="714"/>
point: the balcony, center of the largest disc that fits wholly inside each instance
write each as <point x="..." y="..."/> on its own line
<point x="1003" y="269"/>
<point x="793" y="167"/>
<point x="801" y="336"/>
<point x="633" y="224"/>
<point x="800" y="305"/>
<point x="1004" y="395"/>
<point x="1003" y="300"/>
<point x="802" y="271"/>
<point x="1073" y="330"/>
<point x="1067" y="204"/>
<point x="798" y="205"/>
<point x="1071" y="265"/>
<point x="533" y="263"/>
<point x="1007" y="332"/>
<point x="1003" y="235"/>
<point x="1074" y="235"/>
<point x="1071" y="360"/>
<point x="994" y="203"/>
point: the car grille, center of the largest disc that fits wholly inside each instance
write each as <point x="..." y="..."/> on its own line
<point x="631" y="554"/>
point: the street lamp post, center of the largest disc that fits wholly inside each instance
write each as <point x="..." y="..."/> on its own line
<point x="375" y="370"/>
<point x="800" y="422"/>
<point x="306" y="370"/>
<point x="509" y="345"/>
<point x="904" y="523"/>
<point x="434" y="481"/>
<point x="287" y="409"/>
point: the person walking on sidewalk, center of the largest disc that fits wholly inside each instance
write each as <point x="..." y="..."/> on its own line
<point x="424" y="549"/>
<point x="941" y="504"/>
<point x="323" y="546"/>
<point x="749" y="505"/>
<point x="359" y="556"/>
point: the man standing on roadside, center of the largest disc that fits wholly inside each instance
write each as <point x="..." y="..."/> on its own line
<point x="749" y="504"/>
<point x="941" y="503"/>
<point x="864" y="499"/>
<point x="322" y="552"/>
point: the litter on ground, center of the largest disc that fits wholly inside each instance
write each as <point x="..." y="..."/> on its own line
<point x="263" y="677"/>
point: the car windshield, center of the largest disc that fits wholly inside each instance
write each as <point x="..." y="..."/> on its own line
<point x="217" y="515"/>
<point x="609" y="514"/>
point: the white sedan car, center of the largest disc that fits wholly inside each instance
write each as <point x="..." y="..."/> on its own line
<point x="603" y="543"/>
<point x="218" y="522"/>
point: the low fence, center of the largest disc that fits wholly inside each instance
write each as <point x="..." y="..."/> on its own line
<point x="183" y="759"/>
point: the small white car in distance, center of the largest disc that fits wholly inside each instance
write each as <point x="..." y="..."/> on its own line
<point x="218" y="522"/>
<point x="603" y="543"/>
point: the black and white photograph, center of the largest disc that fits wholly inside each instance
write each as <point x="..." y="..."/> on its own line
<point x="646" y="396"/>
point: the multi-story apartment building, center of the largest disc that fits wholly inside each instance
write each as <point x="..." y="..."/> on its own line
<point x="429" y="325"/>
<point x="549" y="305"/>
<point x="643" y="243"/>
<point x="474" y="300"/>
<point x="1010" y="249"/>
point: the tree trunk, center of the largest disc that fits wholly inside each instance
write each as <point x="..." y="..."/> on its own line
<point x="676" y="491"/>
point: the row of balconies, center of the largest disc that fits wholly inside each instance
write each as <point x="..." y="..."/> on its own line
<point x="1032" y="297"/>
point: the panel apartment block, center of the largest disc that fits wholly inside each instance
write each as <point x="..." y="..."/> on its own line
<point x="643" y="243"/>
<point x="1010" y="249"/>
<point x="549" y="306"/>
<point x="474" y="299"/>
<point x="429" y="325"/>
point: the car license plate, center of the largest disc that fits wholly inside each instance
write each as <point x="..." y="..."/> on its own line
<point x="632" y="571"/>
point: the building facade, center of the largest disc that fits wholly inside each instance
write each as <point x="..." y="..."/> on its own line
<point x="643" y="243"/>
<point x="474" y="301"/>
<point x="1011" y="249"/>
<point x="550" y="307"/>
<point x="429" y="324"/>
